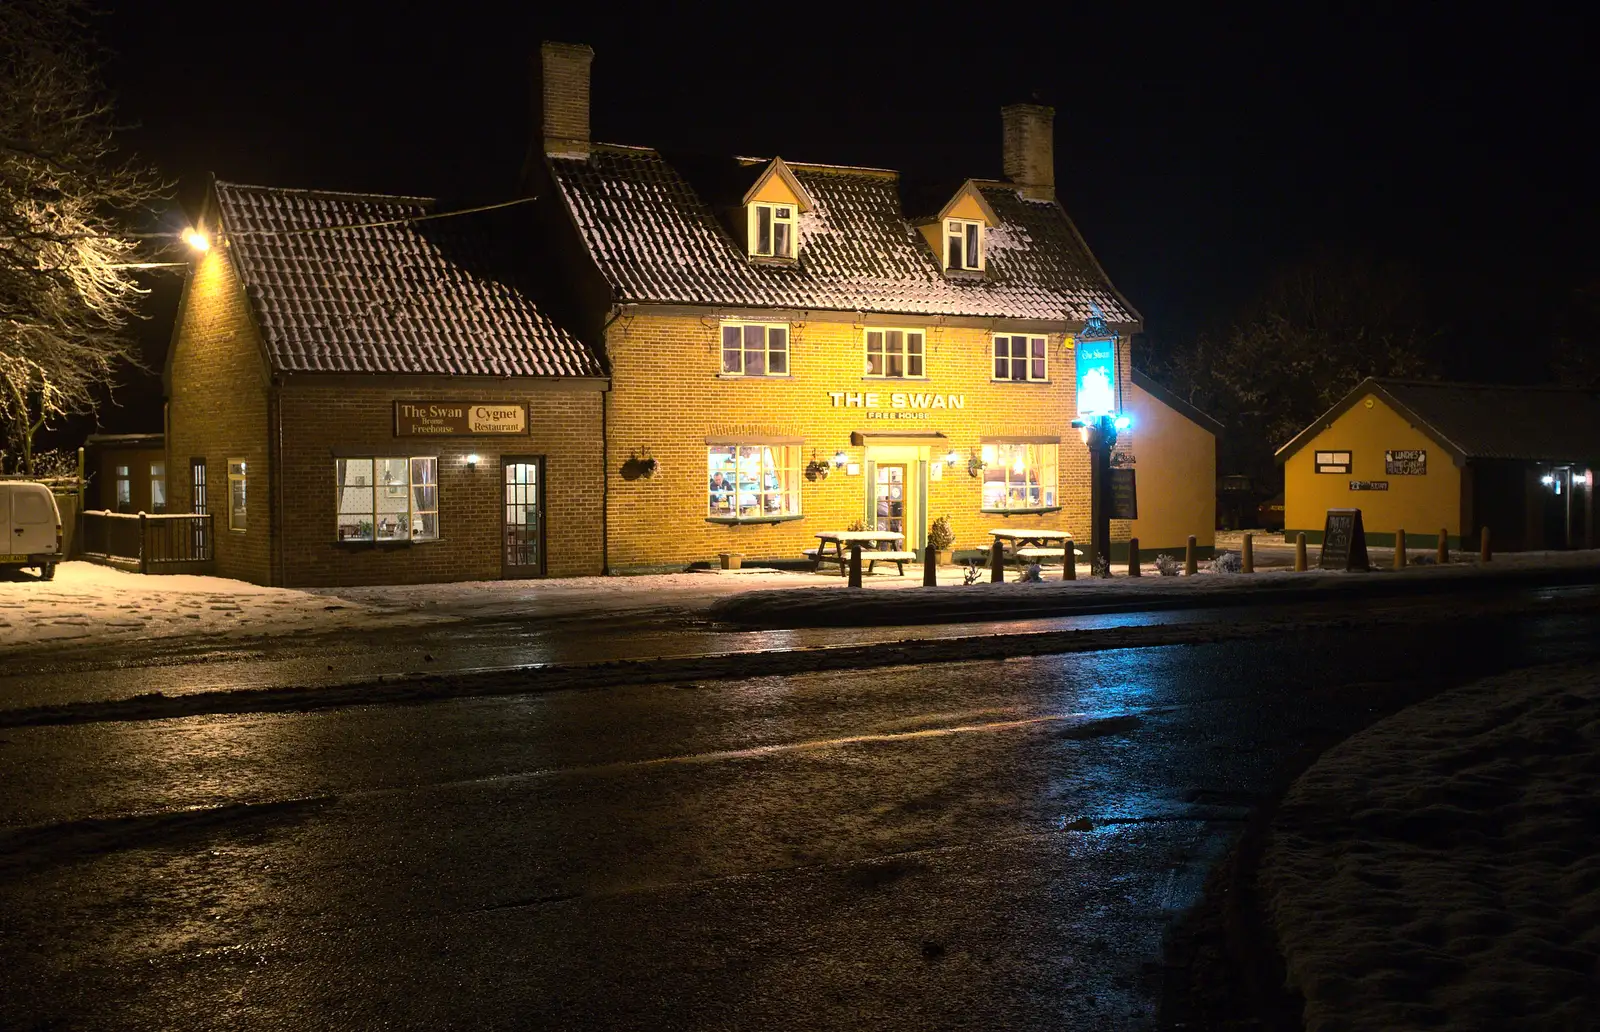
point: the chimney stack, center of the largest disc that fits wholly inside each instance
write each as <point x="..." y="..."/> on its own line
<point x="1029" y="153"/>
<point x="561" y="98"/>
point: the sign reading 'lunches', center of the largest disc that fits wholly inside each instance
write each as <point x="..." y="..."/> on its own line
<point x="458" y="418"/>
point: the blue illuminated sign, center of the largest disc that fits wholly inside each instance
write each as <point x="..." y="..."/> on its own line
<point x="1097" y="378"/>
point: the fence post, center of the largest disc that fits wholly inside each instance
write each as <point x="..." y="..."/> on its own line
<point x="144" y="557"/>
<point x="1444" y="545"/>
<point x="855" y="564"/>
<point x="1191" y="565"/>
<point x="1484" y="554"/>
<point x="997" y="561"/>
<point x="1400" y="549"/>
<point x="1248" y="553"/>
<point x="1133" y="557"/>
<point x="1300" y="552"/>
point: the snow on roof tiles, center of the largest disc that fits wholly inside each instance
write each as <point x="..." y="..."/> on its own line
<point x="419" y="297"/>
<point x="657" y="241"/>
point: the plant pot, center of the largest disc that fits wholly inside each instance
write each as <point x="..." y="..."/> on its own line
<point x="731" y="560"/>
<point x="936" y="556"/>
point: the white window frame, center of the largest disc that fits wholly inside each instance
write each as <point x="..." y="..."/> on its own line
<point x="744" y="348"/>
<point x="1333" y="461"/>
<point x="238" y="473"/>
<point x="1036" y="349"/>
<point x="123" y="482"/>
<point x="748" y="496"/>
<point x="413" y="512"/>
<point x="773" y="208"/>
<point x="970" y="234"/>
<point x="905" y="353"/>
<point x="1000" y="459"/>
<point x="158" y="486"/>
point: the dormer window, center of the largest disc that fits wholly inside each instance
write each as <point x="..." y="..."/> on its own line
<point x="772" y="230"/>
<point x="963" y="245"/>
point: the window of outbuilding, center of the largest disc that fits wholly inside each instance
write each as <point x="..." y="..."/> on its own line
<point x="387" y="499"/>
<point x="237" y="494"/>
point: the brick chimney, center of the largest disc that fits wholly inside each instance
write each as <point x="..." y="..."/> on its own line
<point x="1029" y="154"/>
<point x="561" y="98"/>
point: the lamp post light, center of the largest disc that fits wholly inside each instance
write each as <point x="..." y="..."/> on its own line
<point x="196" y="240"/>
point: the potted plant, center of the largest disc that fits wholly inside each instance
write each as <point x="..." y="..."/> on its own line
<point x="940" y="538"/>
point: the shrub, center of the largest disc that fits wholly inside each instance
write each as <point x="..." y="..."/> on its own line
<point x="1100" y="566"/>
<point x="1227" y="562"/>
<point x="940" y="536"/>
<point x="974" y="571"/>
<point x="1167" y="565"/>
<point x="1032" y="574"/>
<point x="856" y="526"/>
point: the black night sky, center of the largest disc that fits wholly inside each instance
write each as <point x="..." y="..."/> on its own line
<point x="1196" y="153"/>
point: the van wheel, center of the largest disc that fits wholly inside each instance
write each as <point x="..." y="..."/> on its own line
<point x="47" y="571"/>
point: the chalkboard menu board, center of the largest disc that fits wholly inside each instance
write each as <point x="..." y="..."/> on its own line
<point x="1124" y="496"/>
<point x="1344" y="541"/>
<point x="1406" y="462"/>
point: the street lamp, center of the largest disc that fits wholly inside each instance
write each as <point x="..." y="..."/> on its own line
<point x="196" y="240"/>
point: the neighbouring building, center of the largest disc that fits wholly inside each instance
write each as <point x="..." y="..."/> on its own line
<point x="1423" y="456"/>
<point x="1177" y="471"/>
<point x="660" y="358"/>
<point x="126" y="473"/>
<point x="384" y="404"/>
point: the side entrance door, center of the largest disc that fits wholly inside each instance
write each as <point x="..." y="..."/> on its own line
<point x="522" y="516"/>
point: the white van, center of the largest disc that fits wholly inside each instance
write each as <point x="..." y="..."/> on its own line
<point x="31" y="524"/>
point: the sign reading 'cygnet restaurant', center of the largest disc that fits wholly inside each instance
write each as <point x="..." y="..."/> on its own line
<point x="444" y="418"/>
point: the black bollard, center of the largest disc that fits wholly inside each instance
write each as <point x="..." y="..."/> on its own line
<point x="997" y="562"/>
<point x="855" y="564"/>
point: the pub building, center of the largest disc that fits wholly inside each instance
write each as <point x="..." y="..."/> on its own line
<point x="657" y="360"/>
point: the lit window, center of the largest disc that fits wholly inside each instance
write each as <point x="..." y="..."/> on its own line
<point x="1018" y="357"/>
<point x="750" y="349"/>
<point x="1333" y="462"/>
<point x="963" y="244"/>
<point x="124" y="490"/>
<point x="752" y="482"/>
<point x="158" y="487"/>
<point x="772" y="230"/>
<point x="896" y="353"/>
<point x="197" y="486"/>
<point x="388" y="499"/>
<point x="1019" y="476"/>
<point x="236" y="494"/>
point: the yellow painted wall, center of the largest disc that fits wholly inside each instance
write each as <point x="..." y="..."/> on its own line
<point x="1176" y="476"/>
<point x="966" y="207"/>
<point x="1420" y="505"/>
<point x="667" y="398"/>
<point x="776" y="191"/>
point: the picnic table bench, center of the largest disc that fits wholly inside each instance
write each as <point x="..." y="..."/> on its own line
<point x="1035" y="545"/>
<point x="870" y="555"/>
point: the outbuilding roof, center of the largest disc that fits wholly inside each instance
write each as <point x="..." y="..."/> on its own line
<point x="392" y="295"/>
<point x="1145" y="383"/>
<point x="651" y="226"/>
<point x="1483" y="421"/>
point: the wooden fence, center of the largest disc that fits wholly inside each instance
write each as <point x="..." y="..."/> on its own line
<point x="150" y="543"/>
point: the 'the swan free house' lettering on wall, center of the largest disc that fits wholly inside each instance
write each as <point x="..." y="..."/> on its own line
<point x="444" y="418"/>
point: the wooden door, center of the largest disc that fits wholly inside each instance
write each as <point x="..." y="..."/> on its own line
<point x="522" y="516"/>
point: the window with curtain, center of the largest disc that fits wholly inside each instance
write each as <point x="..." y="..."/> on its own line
<point x="755" y="349"/>
<point x="752" y="482"/>
<point x="1019" y="476"/>
<point x="387" y="498"/>
<point x="1020" y="357"/>
<point x="895" y="353"/>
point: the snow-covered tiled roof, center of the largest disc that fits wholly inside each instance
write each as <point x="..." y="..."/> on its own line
<point x="409" y="297"/>
<point x="657" y="241"/>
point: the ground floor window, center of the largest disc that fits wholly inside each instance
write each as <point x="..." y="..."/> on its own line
<point x="1019" y="476"/>
<point x="752" y="481"/>
<point x="158" y="487"/>
<point x="388" y="499"/>
<point x="236" y="494"/>
<point x="124" y="489"/>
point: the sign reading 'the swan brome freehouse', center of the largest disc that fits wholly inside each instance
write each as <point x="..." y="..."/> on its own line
<point x="457" y="418"/>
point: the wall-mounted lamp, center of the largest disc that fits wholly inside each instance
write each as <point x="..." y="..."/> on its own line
<point x="951" y="458"/>
<point x="1547" y="480"/>
<point x="196" y="240"/>
<point x="472" y="462"/>
<point x="839" y="459"/>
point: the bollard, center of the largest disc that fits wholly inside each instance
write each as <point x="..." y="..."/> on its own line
<point x="1484" y="554"/>
<point x="855" y="564"/>
<point x="1133" y="557"/>
<point x="930" y="569"/>
<point x="1444" y="545"/>
<point x="997" y="562"/>
<point x="1069" y="561"/>
<point x="1400" y="549"/>
<point x="1300" y="552"/>
<point x="1248" y="553"/>
<point x="1191" y="566"/>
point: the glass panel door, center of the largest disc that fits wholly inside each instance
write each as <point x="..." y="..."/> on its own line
<point x="523" y="516"/>
<point x="889" y="492"/>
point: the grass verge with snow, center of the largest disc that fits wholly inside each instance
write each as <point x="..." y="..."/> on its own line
<point x="1439" y="869"/>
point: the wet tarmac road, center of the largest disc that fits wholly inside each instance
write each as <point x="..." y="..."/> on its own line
<point x="979" y="845"/>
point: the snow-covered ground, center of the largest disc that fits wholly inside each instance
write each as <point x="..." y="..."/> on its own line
<point x="1440" y="869"/>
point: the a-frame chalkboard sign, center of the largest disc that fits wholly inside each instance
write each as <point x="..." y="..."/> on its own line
<point x="1344" y="541"/>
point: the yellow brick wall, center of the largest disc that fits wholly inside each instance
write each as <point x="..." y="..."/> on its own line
<point x="667" y="398"/>
<point x="217" y="410"/>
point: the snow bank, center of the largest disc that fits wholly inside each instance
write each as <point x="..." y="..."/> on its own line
<point x="1439" y="870"/>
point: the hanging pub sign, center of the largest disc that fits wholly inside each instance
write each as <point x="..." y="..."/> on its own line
<point x="459" y="418"/>
<point x="1124" y="495"/>
<point x="1095" y="350"/>
<point x="1344" y="541"/>
<point x="1405" y="462"/>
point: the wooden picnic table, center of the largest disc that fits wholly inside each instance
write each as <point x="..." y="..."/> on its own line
<point x="867" y="538"/>
<point x="1035" y="543"/>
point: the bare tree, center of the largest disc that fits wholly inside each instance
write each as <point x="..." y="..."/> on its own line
<point x="68" y="202"/>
